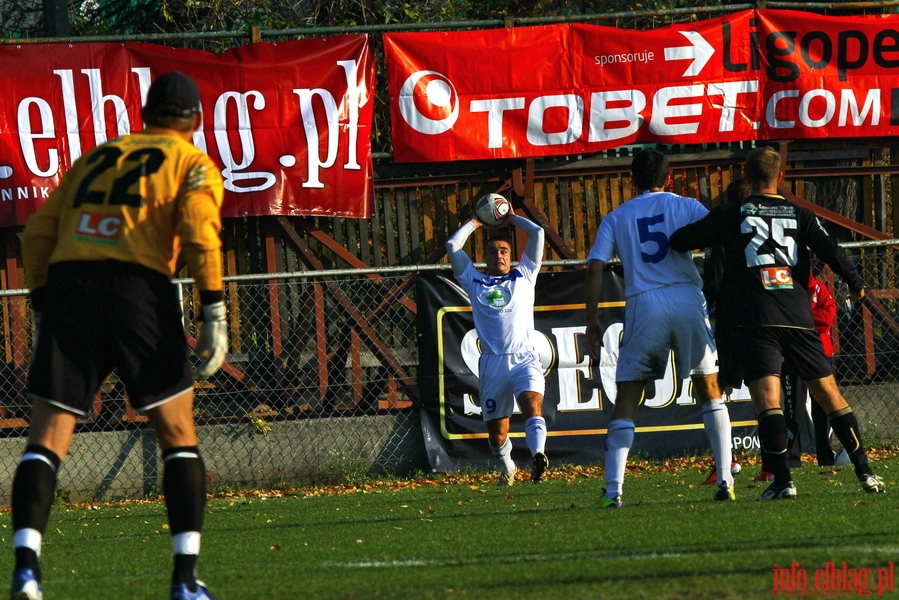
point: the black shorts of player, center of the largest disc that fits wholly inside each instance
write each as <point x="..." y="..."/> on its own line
<point x="762" y="351"/>
<point x="730" y="367"/>
<point x="105" y="315"/>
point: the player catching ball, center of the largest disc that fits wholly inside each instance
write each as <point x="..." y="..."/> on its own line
<point x="509" y="369"/>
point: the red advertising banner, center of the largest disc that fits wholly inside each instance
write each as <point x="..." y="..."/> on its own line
<point x="289" y="123"/>
<point x="572" y="89"/>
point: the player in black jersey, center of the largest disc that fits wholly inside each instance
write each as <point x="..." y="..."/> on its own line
<point x="766" y="241"/>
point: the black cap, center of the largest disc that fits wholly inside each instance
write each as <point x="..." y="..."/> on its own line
<point x="173" y="94"/>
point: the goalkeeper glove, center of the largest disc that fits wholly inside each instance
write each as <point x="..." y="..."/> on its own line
<point x="212" y="342"/>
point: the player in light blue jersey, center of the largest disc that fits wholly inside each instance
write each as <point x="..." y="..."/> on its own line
<point x="509" y="368"/>
<point x="665" y="311"/>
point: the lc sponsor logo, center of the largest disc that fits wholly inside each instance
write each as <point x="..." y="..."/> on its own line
<point x="777" y="277"/>
<point x="98" y="228"/>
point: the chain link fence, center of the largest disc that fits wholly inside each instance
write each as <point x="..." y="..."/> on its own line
<point x="319" y="385"/>
<point x="320" y="381"/>
<point x="300" y="346"/>
<point x="866" y="340"/>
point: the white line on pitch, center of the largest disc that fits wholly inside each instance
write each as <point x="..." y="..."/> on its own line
<point x="413" y="562"/>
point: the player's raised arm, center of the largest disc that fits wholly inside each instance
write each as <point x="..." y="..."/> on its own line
<point x="456" y="243"/>
<point x="536" y="236"/>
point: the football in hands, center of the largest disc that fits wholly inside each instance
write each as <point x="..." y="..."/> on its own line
<point x="492" y="209"/>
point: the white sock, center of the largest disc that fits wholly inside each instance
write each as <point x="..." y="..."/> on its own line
<point x="535" y="434"/>
<point x="716" y="419"/>
<point x="28" y="538"/>
<point x="186" y="543"/>
<point x="618" y="444"/>
<point x="504" y="454"/>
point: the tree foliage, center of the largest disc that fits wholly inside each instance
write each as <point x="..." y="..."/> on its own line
<point x="19" y="18"/>
<point x="22" y="18"/>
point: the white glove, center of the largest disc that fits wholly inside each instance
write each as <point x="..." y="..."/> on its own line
<point x="212" y="342"/>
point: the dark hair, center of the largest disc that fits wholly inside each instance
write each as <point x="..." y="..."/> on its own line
<point x="498" y="238"/>
<point x="738" y="190"/>
<point x="763" y="166"/>
<point x="173" y="101"/>
<point x="649" y="169"/>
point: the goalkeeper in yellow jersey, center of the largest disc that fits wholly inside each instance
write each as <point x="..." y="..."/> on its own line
<point x="99" y="257"/>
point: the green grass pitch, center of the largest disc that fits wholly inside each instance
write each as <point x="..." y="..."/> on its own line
<point x="440" y="536"/>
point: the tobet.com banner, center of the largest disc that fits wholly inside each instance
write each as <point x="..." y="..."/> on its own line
<point x="580" y="391"/>
<point x="288" y="123"/>
<point x="578" y="88"/>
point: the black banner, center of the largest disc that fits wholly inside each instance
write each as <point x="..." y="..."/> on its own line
<point x="580" y="390"/>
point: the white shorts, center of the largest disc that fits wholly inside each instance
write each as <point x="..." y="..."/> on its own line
<point x="502" y="377"/>
<point x="660" y="321"/>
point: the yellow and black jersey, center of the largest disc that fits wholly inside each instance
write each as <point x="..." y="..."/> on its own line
<point x="141" y="198"/>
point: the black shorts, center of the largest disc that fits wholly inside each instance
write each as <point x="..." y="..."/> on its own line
<point x="100" y="316"/>
<point x="730" y="368"/>
<point x="762" y="351"/>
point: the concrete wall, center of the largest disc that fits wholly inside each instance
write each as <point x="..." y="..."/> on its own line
<point x="875" y="405"/>
<point x="127" y="464"/>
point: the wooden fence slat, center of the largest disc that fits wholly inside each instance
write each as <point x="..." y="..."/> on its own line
<point x="377" y="240"/>
<point x="565" y="212"/>
<point x="617" y="193"/>
<point x="592" y="213"/>
<point x="389" y="230"/>
<point x="352" y="236"/>
<point x="578" y="215"/>
<point x="402" y="230"/>
<point x="414" y="226"/>
<point x="365" y="241"/>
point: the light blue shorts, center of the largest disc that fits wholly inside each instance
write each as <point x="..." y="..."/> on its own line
<point x="659" y="322"/>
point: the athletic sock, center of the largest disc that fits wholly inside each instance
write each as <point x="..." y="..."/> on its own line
<point x="773" y="441"/>
<point x="821" y="424"/>
<point x="504" y="455"/>
<point x="535" y="434"/>
<point x="34" y="486"/>
<point x="845" y="427"/>
<point x="716" y="419"/>
<point x="618" y="444"/>
<point x="184" y="486"/>
<point x="27" y="558"/>
<point x="185" y="548"/>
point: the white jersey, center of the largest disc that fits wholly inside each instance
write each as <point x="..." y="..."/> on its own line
<point x="503" y="306"/>
<point x="638" y="231"/>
